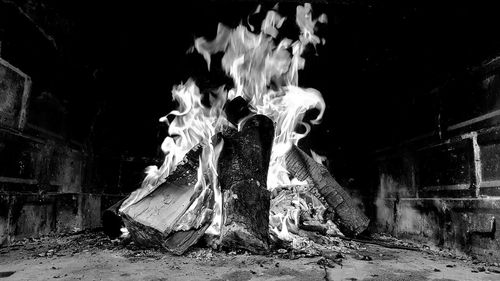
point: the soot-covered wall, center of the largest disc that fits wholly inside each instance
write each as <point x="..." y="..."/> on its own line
<point x="56" y="173"/>
<point x="442" y="187"/>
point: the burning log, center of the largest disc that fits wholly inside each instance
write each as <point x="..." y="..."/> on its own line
<point x="242" y="169"/>
<point x="175" y="215"/>
<point x="350" y="219"/>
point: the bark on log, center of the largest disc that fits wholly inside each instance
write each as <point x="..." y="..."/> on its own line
<point x="111" y="220"/>
<point x="159" y="219"/>
<point x="242" y="170"/>
<point x="350" y="219"/>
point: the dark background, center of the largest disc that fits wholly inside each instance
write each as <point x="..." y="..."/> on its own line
<point x="103" y="70"/>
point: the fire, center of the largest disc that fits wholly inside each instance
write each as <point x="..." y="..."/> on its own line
<point x="257" y="63"/>
<point x="265" y="74"/>
<point x="193" y="123"/>
<point x="205" y="185"/>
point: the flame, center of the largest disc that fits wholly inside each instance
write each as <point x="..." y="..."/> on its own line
<point x="317" y="157"/>
<point x="193" y="123"/>
<point x="212" y="159"/>
<point x="197" y="215"/>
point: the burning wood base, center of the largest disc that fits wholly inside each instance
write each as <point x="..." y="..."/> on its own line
<point x="350" y="219"/>
<point x="176" y="215"/>
<point x="243" y="166"/>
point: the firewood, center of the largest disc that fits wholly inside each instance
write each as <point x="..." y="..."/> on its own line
<point x="242" y="170"/>
<point x="350" y="219"/>
<point x="158" y="219"/>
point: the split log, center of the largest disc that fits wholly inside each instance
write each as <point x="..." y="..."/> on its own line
<point x="350" y="219"/>
<point x="111" y="220"/>
<point x="242" y="168"/>
<point x="160" y="218"/>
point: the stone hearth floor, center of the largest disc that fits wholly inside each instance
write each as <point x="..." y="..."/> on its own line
<point x="92" y="256"/>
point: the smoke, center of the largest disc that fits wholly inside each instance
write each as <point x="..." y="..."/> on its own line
<point x="392" y="215"/>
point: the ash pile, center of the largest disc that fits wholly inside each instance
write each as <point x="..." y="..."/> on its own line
<point x="233" y="175"/>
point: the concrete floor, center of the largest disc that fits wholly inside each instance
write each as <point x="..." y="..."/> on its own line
<point x="94" y="257"/>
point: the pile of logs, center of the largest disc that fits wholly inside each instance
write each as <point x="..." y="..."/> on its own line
<point x="176" y="214"/>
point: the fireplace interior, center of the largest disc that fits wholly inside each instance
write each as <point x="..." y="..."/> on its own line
<point x="394" y="176"/>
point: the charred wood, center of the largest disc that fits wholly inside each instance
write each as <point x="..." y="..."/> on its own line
<point x="242" y="170"/>
<point x="350" y="219"/>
